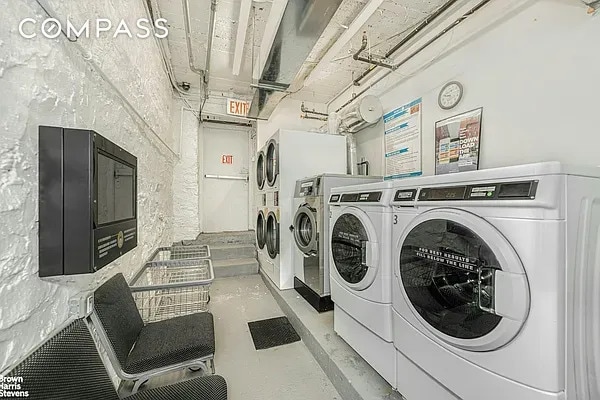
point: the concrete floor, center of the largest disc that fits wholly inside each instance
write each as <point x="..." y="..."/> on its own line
<point x="286" y="372"/>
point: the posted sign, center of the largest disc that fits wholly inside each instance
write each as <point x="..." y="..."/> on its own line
<point x="238" y="107"/>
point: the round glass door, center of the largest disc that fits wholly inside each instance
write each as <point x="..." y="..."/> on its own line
<point x="305" y="230"/>
<point x="453" y="278"/>
<point x="260" y="170"/>
<point x="272" y="235"/>
<point x="351" y="243"/>
<point x="260" y="230"/>
<point x="272" y="163"/>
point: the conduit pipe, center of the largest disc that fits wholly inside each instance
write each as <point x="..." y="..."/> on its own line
<point x="211" y="31"/>
<point x="422" y="25"/>
<point x="369" y="59"/>
<point x="416" y="52"/>
<point x="188" y="38"/>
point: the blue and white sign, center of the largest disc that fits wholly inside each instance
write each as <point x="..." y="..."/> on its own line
<point x="402" y="133"/>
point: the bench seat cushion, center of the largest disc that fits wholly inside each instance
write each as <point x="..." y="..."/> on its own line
<point x="211" y="387"/>
<point x="172" y="341"/>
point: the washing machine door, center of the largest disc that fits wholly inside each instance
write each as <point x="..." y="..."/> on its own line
<point x="261" y="230"/>
<point x="272" y="162"/>
<point x="354" y="249"/>
<point x="305" y="230"/>
<point x="272" y="235"/>
<point x="463" y="279"/>
<point x="260" y="170"/>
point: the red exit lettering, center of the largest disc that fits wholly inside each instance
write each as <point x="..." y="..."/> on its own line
<point x="238" y="107"/>
<point x="226" y="159"/>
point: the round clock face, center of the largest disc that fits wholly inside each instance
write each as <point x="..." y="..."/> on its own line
<point x="450" y="95"/>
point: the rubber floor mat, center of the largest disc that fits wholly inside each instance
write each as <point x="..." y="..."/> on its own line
<point x="272" y="332"/>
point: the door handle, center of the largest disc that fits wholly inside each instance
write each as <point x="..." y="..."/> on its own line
<point x="227" y="177"/>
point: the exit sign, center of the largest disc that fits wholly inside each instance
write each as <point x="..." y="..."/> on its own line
<point x="226" y="159"/>
<point x="238" y="107"/>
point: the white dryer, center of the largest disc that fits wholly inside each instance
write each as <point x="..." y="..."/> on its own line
<point x="487" y="265"/>
<point x="361" y="276"/>
<point x="289" y="156"/>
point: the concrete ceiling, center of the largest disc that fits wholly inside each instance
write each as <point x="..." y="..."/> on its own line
<point x="385" y="27"/>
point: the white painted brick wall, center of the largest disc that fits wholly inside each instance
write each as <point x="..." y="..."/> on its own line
<point x="186" y="214"/>
<point x="48" y="82"/>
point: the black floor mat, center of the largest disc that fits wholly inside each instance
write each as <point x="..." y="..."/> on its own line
<point x="272" y="332"/>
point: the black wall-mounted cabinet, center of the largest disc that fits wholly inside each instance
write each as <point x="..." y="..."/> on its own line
<point x="87" y="201"/>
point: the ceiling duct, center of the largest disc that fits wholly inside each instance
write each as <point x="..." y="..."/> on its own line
<point x="302" y="24"/>
<point x="367" y="112"/>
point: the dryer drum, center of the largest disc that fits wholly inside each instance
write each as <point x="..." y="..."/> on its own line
<point x="348" y="248"/>
<point x="272" y="163"/>
<point x="304" y="231"/>
<point x="261" y="230"/>
<point x="447" y="274"/>
<point x="260" y="170"/>
<point x="272" y="235"/>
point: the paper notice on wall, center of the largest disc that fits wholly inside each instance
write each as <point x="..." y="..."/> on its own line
<point x="457" y="143"/>
<point x="402" y="140"/>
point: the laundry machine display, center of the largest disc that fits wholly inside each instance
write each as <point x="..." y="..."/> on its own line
<point x="485" y="266"/>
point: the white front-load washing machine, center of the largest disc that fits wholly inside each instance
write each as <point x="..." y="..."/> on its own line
<point x="486" y="267"/>
<point x="361" y="276"/>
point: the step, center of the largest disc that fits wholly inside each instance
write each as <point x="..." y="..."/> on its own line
<point x="235" y="267"/>
<point x="230" y="251"/>
<point x="241" y="237"/>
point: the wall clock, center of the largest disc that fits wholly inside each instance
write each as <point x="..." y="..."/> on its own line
<point x="450" y="95"/>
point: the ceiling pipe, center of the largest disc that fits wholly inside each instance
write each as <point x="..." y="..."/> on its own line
<point x="369" y="59"/>
<point x="188" y="38"/>
<point x="430" y="18"/>
<point x="416" y="52"/>
<point x="211" y="31"/>
<point x="306" y="110"/>
<point x="346" y="37"/>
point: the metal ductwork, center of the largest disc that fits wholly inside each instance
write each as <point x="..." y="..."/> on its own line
<point x="302" y="24"/>
<point x="366" y="112"/>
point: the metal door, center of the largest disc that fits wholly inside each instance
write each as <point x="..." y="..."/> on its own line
<point x="225" y="194"/>
<point x="305" y="230"/>
<point x="354" y="249"/>
<point x="261" y="229"/>
<point x="260" y="170"/>
<point x="272" y="161"/>
<point x="462" y="279"/>
<point x="272" y="235"/>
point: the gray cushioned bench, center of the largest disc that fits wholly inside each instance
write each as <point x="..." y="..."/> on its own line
<point x="140" y="351"/>
<point x="68" y="367"/>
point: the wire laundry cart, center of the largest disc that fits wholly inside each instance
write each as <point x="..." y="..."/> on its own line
<point x="180" y="252"/>
<point x="170" y="288"/>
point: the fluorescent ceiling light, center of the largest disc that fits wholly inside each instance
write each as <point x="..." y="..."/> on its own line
<point x="240" y="41"/>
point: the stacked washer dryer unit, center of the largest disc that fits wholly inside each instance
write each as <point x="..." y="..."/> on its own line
<point x="361" y="275"/>
<point x="496" y="282"/>
<point x="310" y="229"/>
<point x="291" y="155"/>
<point x="261" y="208"/>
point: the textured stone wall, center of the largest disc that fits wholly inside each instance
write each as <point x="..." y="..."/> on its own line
<point x="49" y="82"/>
<point x="186" y="213"/>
